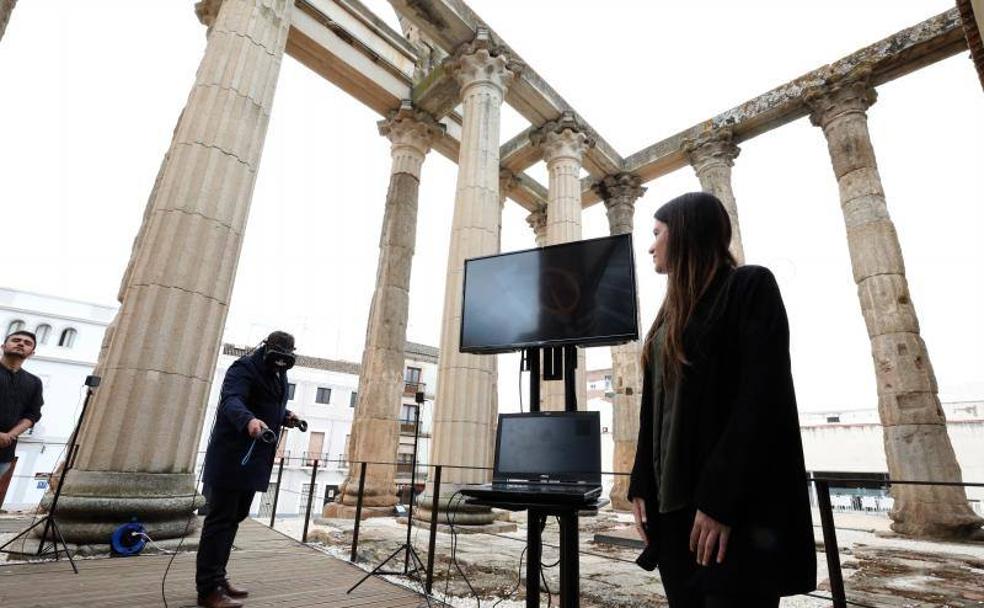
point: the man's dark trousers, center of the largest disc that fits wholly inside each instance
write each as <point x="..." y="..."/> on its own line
<point x="226" y="508"/>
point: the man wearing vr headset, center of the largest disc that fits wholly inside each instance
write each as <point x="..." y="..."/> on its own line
<point x="239" y="458"/>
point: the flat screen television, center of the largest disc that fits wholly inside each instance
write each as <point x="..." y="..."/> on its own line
<point x="581" y="293"/>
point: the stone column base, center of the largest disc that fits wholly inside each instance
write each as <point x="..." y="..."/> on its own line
<point x="459" y="513"/>
<point x="94" y="503"/>
<point x="938" y="519"/>
<point x="340" y="511"/>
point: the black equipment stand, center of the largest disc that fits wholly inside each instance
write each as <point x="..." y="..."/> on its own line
<point x="407" y="548"/>
<point x="559" y="363"/>
<point x="91" y="382"/>
<point x="570" y="571"/>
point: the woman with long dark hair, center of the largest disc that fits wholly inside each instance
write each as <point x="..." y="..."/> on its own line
<point x="719" y="488"/>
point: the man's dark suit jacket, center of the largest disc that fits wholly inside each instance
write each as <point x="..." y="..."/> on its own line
<point x="251" y="389"/>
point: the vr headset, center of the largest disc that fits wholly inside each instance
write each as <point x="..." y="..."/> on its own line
<point x="279" y="350"/>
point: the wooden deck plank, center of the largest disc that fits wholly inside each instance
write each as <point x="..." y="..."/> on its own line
<point x="279" y="572"/>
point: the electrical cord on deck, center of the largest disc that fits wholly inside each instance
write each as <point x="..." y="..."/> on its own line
<point x="451" y="515"/>
<point x="519" y="579"/>
<point x="191" y="518"/>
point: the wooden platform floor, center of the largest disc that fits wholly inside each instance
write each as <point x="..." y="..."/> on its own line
<point x="278" y="571"/>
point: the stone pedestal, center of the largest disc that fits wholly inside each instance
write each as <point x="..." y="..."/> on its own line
<point x="620" y="192"/>
<point x="465" y="382"/>
<point x="375" y="432"/>
<point x="138" y="446"/>
<point x="917" y="446"/>
<point x="712" y="155"/>
<point x="563" y="144"/>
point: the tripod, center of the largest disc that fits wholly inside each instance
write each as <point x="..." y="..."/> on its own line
<point x="50" y="525"/>
<point x="407" y="547"/>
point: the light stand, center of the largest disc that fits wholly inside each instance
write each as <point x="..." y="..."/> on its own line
<point x="407" y="547"/>
<point x="91" y="382"/>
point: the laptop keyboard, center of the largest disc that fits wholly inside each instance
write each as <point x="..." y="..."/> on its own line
<point x="525" y="487"/>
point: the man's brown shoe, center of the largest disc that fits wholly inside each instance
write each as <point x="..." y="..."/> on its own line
<point x="234" y="592"/>
<point x="218" y="599"/>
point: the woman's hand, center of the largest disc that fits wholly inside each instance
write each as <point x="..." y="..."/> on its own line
<point x="639" y="512"/>
<point x="707" y="536"/>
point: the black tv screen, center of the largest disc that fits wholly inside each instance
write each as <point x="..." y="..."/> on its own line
<point x="581" y="293"/>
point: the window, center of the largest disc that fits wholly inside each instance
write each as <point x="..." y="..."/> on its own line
<point x="315" y="444"/>
<point x="323" y="396"/>
<point x="67" y="338"/>
<point x="412" y="375"/>
<point x="42" y="332"/>
<point x="290" y="391"/>
<point x="353" y="399"/>
<point x="15" y="325"/>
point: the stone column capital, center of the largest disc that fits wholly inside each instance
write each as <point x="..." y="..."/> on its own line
<point x="207" y="11"/>
<point x="619" y="193"/>
<point x="838" y="95"/>
<point x="538" y="220"/>
<point x="565" y="137"/>
<point x="483" y="61"/>
<point x="710" y="148"/>
<point x="620" y="188"/>
<point x="408" y="127"/>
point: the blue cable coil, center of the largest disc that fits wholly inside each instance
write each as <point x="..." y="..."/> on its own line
<point x="129" y="539"/>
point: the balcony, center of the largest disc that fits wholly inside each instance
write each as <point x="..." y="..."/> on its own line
<point x="406" y="428"/>
<point x="410" y="388"/>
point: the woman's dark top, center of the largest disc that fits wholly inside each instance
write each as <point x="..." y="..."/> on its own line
<point x="672" y="484"/>
<point x="740" y="451"/>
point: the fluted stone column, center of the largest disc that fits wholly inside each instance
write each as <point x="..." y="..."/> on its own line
<point x="507" y="181"/>
<point x="917" y="446"/>
<point x="375" y="432"/>
<point x="6" y="7"/>
<point x="712" y="155"/>
<point x="138" y="447"/>
<point x="465" y="382"/>
<point x="563" y="143"/>
<point x="620" y="193"/>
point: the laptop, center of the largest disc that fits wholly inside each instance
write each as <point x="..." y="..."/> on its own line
<point x="545" y="458"/>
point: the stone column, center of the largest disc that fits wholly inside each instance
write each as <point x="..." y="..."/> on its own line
<point x="375" y="432"/>
<point x="712" y="155"/>
<point x="917" y="446"/>
<point x="620" y="193"/>
<point x="464" y="381"/>
<point x="507" y="181"/>
<point x="563" y="143"/>
<point x="6" y="7"/>
<point x="138" y="446"/>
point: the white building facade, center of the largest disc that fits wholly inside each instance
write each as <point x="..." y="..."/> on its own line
<point x="70" y="334"/>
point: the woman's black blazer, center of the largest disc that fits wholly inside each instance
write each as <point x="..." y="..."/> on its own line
<point x="745" y="454"/>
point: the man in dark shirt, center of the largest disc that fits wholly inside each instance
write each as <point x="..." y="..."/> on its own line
<point x="20" y="394"/>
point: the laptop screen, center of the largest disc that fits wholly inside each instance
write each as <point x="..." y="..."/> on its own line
<point x="554" y="446"/>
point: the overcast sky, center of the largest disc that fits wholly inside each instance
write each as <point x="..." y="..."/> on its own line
<point x="91" y="92"/>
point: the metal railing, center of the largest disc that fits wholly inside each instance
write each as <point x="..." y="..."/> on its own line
<point x="822" y="486"/>
<point x="313" y="464"/>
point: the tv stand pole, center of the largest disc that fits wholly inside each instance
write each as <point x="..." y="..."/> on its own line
<point x="560" y="363"/>
<point x="570" y="378"/>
